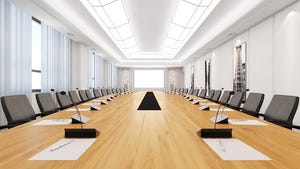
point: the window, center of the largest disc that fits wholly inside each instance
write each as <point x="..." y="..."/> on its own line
<point x="36" y="55"/>
<point x="148" y="78"/>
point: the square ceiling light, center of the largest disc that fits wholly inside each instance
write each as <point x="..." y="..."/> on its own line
<point x="188" y="16"/>
<point x="112" y="17"/>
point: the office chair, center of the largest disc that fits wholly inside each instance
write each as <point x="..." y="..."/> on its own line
<point x="202" y="93"/>
<point x="236" y="100"/>
<point x="46" y="104"/>
<point x="17" y="110"/>
<point x="104" y="92"/>
<point x="89" y="94"/>
<point x="97" y="93"/>
<point x="225" y="97"/>
<point x="216" y="96"/>
<point x="253" y="104"/>
<point x="64" y="100"/>
<point x="210" y="94"/>
<point x="83" y="95"/>
<point x="196" y="91"/>
<point x="281" y="111"/>
<point x="74" y="97"/>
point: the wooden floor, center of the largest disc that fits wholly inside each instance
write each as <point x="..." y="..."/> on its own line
<point x="164" y="139"/>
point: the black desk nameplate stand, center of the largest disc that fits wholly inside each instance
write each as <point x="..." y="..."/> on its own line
<point x="80" y="132"/>
<point x="217" y="132"/>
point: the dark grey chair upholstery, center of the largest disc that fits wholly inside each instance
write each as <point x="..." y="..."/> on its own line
<point x="83" y="95"/>
<point x="236" y="100"/>
<point x="109" y="91"/>
<point x="210" y="94"/>
<point x="281" y="110"/>
<point x="225" y="97"/>
<point x="97" y="93"/>
<point x="202" y="93"/>
<point x="196" y="91"/>
<point x="253" y="104"/>
<point x="104" y="92"/>
<point x="17" y="110"/>
<point x="74" y="97"/>
<point x="46" y="103"/>
<point x="190" y="91"/>
<point x="216" y="96"/>
<point x="64" y="100"/>
<point x="89" y="94"/>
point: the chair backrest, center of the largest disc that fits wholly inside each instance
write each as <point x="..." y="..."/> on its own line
<point x="196" y="91"/>
<point x="17" y="109"/>
<point x="282" y="108"/>
<point x="253" y="103"/>
<point x="114" y="91"/>
<point x="236" y="100"/>
<point x="225" y="97"/>
<point x="64" y="100"/>
<point x="89" y="94"/>
<point x="74" y="97"/>
<point x="104" y="92"/>
<point x="216" y="96"/>
<point x="97" y="93"/>
<point x="185" y="91"/>
<point x="46" y="103"/>
<point x="109" y="91"/>
<point x="210" y="94"/>
<point x="83" y="95"/>
<point x="190" y="91"/>
<point x="202" y="93"/>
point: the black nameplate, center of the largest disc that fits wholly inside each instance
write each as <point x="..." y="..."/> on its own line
<point x="215" y="133"/>
<point x="81" y="133"/>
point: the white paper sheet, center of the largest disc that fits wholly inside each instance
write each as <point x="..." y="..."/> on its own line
<point x="64" y="149"/>
<point x="53" y="122"/>
<point x="221" y="109"/>
<point x="212" y="104"/>
<point x="234" y="149"/>
<point x="246" y="122"/>
<point x="90" y="104"/>
<point x="80" y="109"/>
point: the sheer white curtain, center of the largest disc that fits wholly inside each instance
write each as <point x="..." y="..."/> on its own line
<point x="114" y="72"/>
<point x="15" y="51"/>
<point x="55" y="60"/>
<point x="98" y="71"/>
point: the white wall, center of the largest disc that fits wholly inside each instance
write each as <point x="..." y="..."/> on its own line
<point x="273" y="58"/>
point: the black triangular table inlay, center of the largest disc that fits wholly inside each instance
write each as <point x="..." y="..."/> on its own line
<point x="149" y="102"/>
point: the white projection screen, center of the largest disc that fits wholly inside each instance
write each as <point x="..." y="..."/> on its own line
<point x="149" y="78"/>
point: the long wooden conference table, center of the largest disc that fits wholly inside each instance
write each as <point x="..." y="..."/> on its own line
<point x="164" y="139"/>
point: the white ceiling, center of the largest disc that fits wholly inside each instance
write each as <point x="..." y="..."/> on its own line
<point x="150" y="21"/>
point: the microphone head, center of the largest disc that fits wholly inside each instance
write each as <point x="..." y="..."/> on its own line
<point x="76" y="88"/>
<point x="222" y="88"/>
<point x="52" y="90"/>
<point x="63" y="93"/>
<point x="247" y="90"/>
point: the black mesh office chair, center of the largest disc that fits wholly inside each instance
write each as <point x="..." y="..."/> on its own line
<point x="216" y="96"/>
<point x="97" y="93"/>
<point x="74" y="97"/>
<point x="17" y="110"/>
<point x="225" y="97"/>
<point x="253" y="104"/>
<point x="236" y="100"/>
<point x="210" y="94"/>
<point x="104" y="92"/>
<point x="46" y="104"/>
<point x="83" y="95"/>
<point x="196" y="91"/>
<point x="202" y="93"/>
<point x="281" y="110"/>
<point x="64" y="100"/>
<point x="89" y="94"/>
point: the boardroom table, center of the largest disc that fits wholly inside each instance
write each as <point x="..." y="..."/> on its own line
<point x="149" y="139"/>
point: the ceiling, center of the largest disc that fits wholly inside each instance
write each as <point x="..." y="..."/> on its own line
<point x="150" y="22"/>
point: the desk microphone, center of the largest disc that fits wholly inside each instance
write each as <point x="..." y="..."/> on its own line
<point x="217" y="132"/>
<point x="79" y="132"/>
